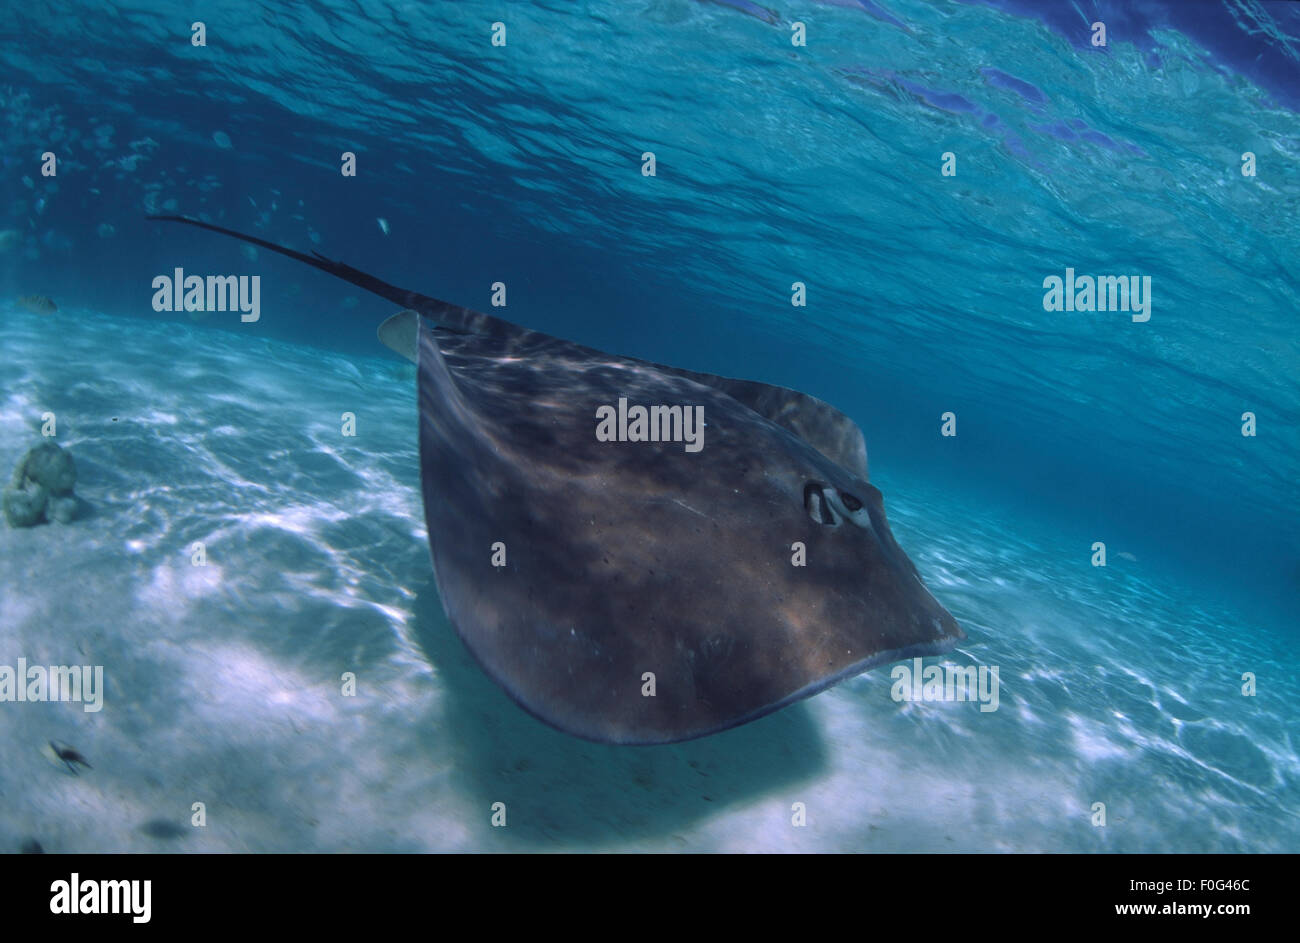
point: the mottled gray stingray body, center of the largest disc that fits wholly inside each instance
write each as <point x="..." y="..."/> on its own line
<point x="631" y="567"/>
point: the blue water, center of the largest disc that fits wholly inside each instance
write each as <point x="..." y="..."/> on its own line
<point x="776" y="164"/>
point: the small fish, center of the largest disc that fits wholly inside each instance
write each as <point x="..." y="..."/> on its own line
<point x="38" y="304"/>
<point x="32" y="847"/>
<point x="383" y="225"/>
<point x="69" y="756"/>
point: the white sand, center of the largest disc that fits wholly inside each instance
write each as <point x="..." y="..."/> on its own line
<point x="223" y="682"/>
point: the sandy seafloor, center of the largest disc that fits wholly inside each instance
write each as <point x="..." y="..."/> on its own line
<point x="222" y="682"/>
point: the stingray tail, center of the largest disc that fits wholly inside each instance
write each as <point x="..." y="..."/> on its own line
<point x="444" y="313"/>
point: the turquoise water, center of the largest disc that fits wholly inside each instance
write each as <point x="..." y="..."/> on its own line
<point x="775" y="164"/>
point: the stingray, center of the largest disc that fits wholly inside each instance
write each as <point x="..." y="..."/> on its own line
<point x="633" y="591"/>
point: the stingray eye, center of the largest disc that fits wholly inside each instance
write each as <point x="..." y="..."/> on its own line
<point x="850" y="502"/>
<point x="817" y="505"/>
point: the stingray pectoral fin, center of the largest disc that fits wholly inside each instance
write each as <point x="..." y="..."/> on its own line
<point x="820" y="424"/>
<point x="400" y="334"/>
